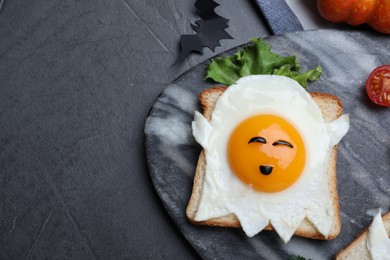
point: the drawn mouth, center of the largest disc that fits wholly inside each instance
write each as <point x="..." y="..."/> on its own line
<point x="265" y="170"/>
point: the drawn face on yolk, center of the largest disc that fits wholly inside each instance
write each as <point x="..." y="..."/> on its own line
<point x="267" y="153"/>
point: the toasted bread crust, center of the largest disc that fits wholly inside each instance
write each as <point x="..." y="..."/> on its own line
<point x="357" y="249"/>
<point x="208" y="98"/>
<point x="331" y="108"/>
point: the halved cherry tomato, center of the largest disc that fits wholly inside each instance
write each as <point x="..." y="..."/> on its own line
<point x="378" y="85"/>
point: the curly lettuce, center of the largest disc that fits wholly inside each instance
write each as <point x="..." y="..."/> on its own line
<point x="255" y="59"/>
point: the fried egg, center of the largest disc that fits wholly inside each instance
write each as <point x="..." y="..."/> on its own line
<point x="378" y="243"/>
<point x="267" y="149"/>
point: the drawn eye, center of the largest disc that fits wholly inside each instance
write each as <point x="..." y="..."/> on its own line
<point x="257" y="140"/>
<point x="281" y="142"/>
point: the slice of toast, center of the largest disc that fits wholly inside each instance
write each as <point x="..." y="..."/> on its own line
<point x="357" y="249"/>
<point x="331" y="108"/>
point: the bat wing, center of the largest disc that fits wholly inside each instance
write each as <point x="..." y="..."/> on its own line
<point x="189" y="43"/>
<point x="210" y="31"/>
<point x="205" y="8"/>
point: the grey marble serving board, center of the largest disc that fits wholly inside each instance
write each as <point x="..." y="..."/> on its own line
<point x="363" y="166"/>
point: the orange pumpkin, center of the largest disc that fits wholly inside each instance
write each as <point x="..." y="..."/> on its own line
<point x="376" y="13"/>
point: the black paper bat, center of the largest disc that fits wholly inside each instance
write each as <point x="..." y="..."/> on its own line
<point x="205" y="8"/>
<point x="209" y="31"/>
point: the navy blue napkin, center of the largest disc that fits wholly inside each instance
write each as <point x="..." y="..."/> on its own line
<point x="279" y="16"/>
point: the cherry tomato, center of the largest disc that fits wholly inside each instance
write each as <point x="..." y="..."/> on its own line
<point x="378" y="85"/>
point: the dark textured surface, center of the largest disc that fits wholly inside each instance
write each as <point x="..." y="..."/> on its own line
<point x="363" y="164"/>
<point x="77" y="79"/>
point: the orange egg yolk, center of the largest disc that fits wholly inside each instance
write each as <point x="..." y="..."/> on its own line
<point x="267" y="153"/>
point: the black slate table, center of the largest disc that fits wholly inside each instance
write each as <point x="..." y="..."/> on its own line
<point x="77" y="79"/>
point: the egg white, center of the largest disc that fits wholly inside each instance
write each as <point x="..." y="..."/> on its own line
<point x="223" y="193"/>
<point x="378" y="243"/>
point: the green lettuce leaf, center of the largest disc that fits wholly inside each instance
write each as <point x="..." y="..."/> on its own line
<point x="309" y="75"/>
<point x="223" y="71"/>
<point x="256" y="59"/>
